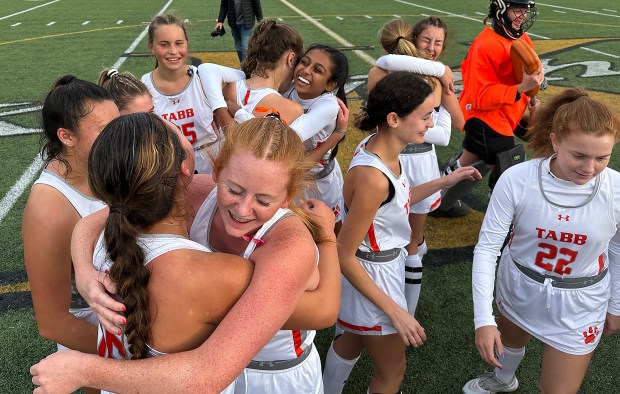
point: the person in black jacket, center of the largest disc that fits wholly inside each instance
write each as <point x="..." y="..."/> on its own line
<point x="241" y="15"/>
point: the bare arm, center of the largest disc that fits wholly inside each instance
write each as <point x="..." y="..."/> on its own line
<point x="47" y="255"/>
<point x="318" y="309"/>
<point x="261" y="311"/>
<point x="420" y="192"/>
<point x="288" y="109"/>
<point x="451" y="103"/>
<point x="375" y="75"/>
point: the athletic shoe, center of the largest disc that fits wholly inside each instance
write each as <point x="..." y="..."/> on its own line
<point x="489" y="383"/>
<point x="459" y="209"/>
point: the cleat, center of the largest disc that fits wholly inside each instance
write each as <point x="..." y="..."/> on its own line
<point x="489" y="383"/>
<point x="456" y="211"/>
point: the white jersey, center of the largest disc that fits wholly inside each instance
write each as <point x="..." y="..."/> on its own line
<point x="110" y="345"/>
<point x="318" y="121"/>
<point x="390" y="226"/>
<point x="248" y="98"/>
<point x="561" y="230"/>
<point x="285" y="344"/>
<point x="190" y="111"/>
<point x="84" y="205"/>
<point x="153" y="246"/>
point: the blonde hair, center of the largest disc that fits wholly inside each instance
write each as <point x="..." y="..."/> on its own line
<point x="397" y="37"/>
<point x="123" y="86"/>
<point x="270" y="139"/>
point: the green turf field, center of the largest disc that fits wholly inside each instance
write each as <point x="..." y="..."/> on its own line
<point x="40" y="40"/>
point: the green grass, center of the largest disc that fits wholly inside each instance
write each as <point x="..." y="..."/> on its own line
<point x="34" y="55"/>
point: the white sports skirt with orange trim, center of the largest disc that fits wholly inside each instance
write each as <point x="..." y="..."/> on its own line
<point x="421" y="168"/>
<point x="360" y="316"/>
<point x="573" y="322"/>
<point x="304" y="378"/>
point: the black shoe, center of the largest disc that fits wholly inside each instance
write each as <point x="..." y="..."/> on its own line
<point x="459" y="209"/>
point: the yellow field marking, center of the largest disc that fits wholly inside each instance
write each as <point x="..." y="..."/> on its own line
<point x="545" y="46"/>
<point x="14" y="288"/>
<point x="67" y="34"/>
<point x="228" y="59"/>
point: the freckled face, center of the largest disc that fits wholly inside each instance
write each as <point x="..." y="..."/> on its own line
<point x="249" y="192"/>
<point x="581" y="156"/>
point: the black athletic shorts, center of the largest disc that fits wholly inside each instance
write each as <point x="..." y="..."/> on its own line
<point x="483" y="141"/>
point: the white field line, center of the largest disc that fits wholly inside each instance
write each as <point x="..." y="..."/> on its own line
<point x="340" y="18"/>
<point x="396" y="16"/>
<point x="118" y="22"/>
<point x="29" y="9"/>
<point x="599" y="52"/>
<point x="28" y="176"/>
<point x="51" y="23"/>
<point x="608" y="10"/>
<point x="363" y="55"/>
<point x="16" y="24"/>
<point x="457" y="15"/>
<point x="576" y="9"/>
<point x="18" y="188"/>
<point x="20" y="111"/>
<point x="85" y="23"/>
<point x="14" y="104"/>
<point x="559" y="12"/>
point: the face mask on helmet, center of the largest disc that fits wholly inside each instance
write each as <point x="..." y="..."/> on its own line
<point x="523" y="11"/>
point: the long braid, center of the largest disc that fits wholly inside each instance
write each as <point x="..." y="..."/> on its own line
<point x="133" y="167"/>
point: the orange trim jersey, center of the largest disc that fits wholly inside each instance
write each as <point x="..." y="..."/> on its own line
<point x="390" y="227"/>
<point x="489" y="86"/>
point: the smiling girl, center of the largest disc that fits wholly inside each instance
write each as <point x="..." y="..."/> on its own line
<point x="176" y="89"/>
<point x="373" y="311"/>
<point x="558" y="277"/>
<point x="318" y="87"/>
<point x="74" y="113"/>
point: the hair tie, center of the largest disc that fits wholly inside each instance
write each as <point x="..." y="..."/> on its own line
<point x="271" y="113"/>
<point x="399" y="38"/>
<point x="118" y="209"/>
<point x="112" y="72"/>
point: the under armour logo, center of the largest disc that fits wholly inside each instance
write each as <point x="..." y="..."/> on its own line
<point x="566" y="218"/>
<point x="590" y="335"/>
<point x="176" y="101"/>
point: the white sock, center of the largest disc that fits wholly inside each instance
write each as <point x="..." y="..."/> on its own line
<point x="511" y="360"/>
<point x="336" y="371"/>
<point x="422" y="248"/>
<point x="413" y="281"/>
